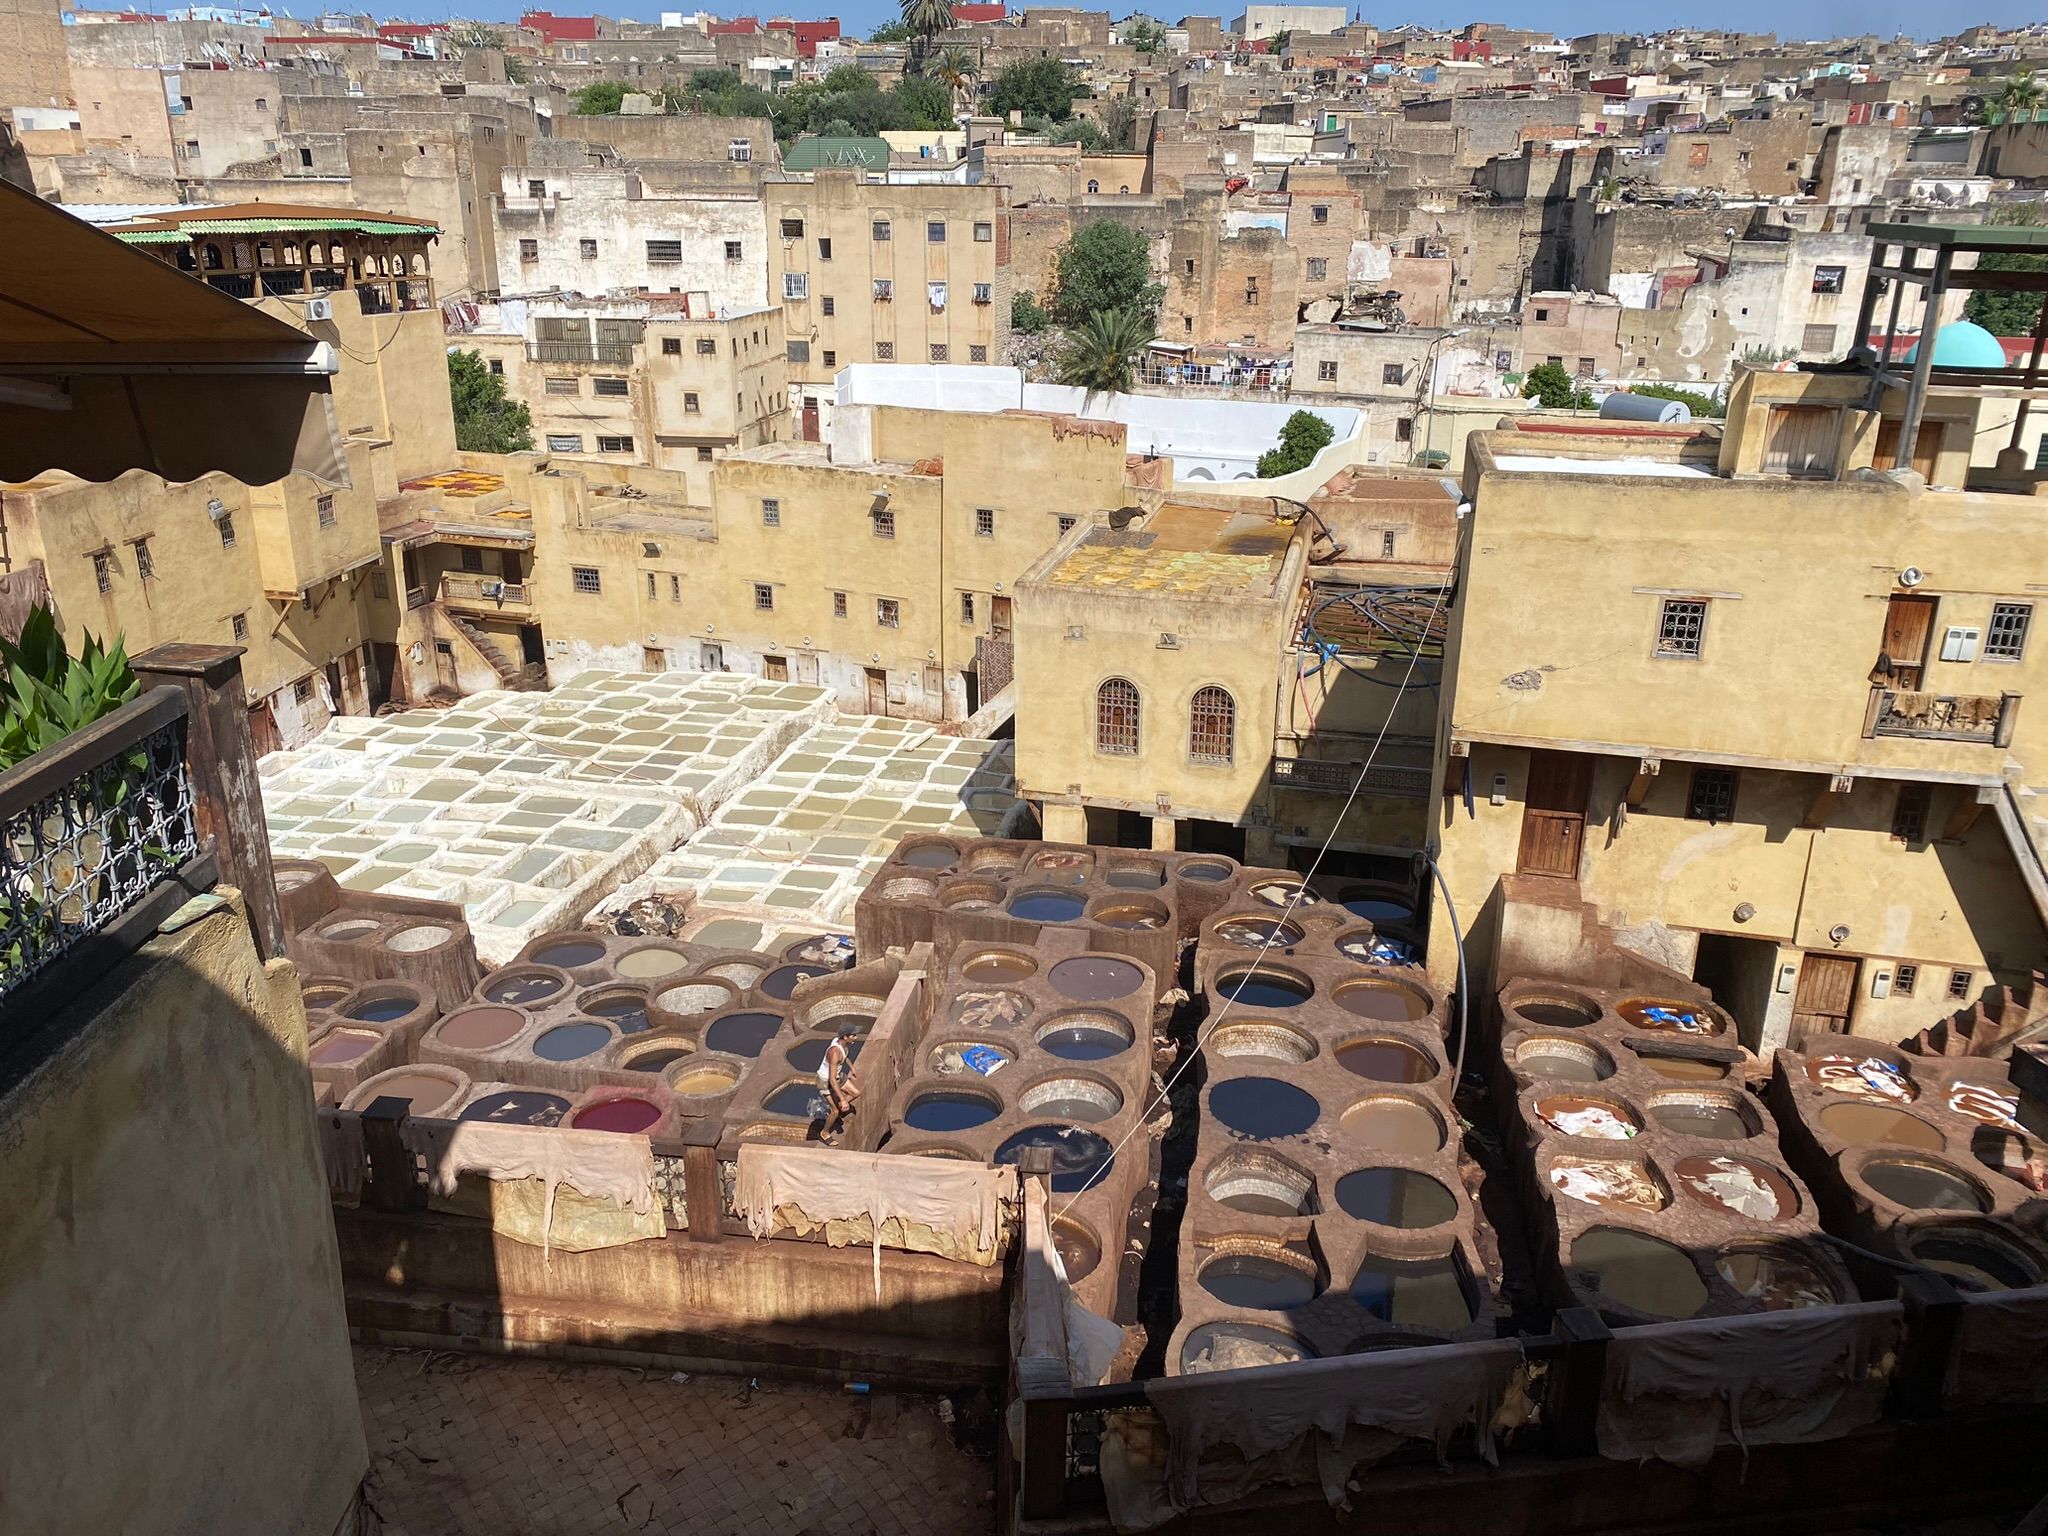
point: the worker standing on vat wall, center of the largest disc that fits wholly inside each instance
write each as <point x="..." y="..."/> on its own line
<point x="836" y="1078"/>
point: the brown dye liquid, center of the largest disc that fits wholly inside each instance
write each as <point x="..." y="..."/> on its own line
<point x="1716" y="1122"/>
<point x="1738" y="1186"/>
<point x="703" y="1081"/>
<point x="1263" y="1284"/>
<point x="998" y="965"/>
<point x="342" y="1047"/>
<point x="1777" y="1282"/>
<point x="1923" y="1187"/>
<point x="1095" y="978"/>
<point x="646" y="964"/>
<point x="1563" y="1063"/>
<point x="1393" y="1125"/>
<point x="1079" y="1252"/>
<point x="1570" y="1115"/>
<point x="521" y="988"/>
<point x="480" y="1029"/>
<point x="1385" y="1002"/>
<point x="1640" y="1271"/>
<point x="1866" y="1124"/>
<point x="425" y="1092"/>
<point x="1386" y="1061"/>
<point x="1129" y="917"/>
<point x="1136" y="877"/>
<point x="1415" y="1293"/>
<point x="1555" y="1015"/>
<point x="1682" y="1069"/>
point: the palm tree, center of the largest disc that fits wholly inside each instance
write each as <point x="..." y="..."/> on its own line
<point x="1101" y="354"/>
<point x="926" y="19"/>
<point x="2019" y="97"/>
<point x="954" y="68"/>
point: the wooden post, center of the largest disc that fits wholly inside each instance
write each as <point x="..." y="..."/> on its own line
<point x="394" y="1185"/>
<point x="221" y="760"/>
<point x="1578" y="1370"/>
<point x="702" y="1194"/>
<point x="1934" y="1311"/>
<point x="1042" y="1380"/>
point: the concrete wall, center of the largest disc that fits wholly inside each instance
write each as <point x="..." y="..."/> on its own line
<point x="168" y="1267"/>
<point x="34" y="69"/>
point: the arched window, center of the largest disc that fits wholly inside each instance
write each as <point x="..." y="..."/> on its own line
<point x="1212" y="726"/>
<point x="1116" y="717"/>
<point x="1094" y="186"/>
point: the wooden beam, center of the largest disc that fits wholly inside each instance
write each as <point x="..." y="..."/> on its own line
<point x="1639" y="786"/>
<point x="1965" y="815"/>
<point x="1822" y="805"/>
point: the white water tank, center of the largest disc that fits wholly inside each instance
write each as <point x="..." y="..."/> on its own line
<point x="1622" y="406"/>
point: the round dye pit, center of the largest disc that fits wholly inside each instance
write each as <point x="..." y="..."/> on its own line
<point x="425" y="1093"/>
<point x="990" y="1010"/>
<point x="1414" y="1293"/>
<point x="1557" y="1059"/>
<point x="323" y="994"/>
<point x="1390" y="1123"/>
<point x="1386" y="1061"/>
<point x="567" y="953"/>
<point x="1736" y="1186"/>
<point x="386" y="1008"/>
<point x="1990" y="1103"/>
<point x="1776" y="1279"/>
<point x="741" y="973"/>
<point x="1283" y="893"/>
<point x="1572" y="1114"/>
<point x="975" y="1058"/>
<point x="1395" y="1197"/>
<point x="1639" y="1271"/>
<point x="1047" y="906"/>
<point x="1077" y="1247"/>
<point x="971" y="896"/>
<point x="1255" y="1184"/>
<point x="1375" y="908"/>
<point x="650" y="964"/>
<point x="1980" y="1260"/>
<point x="741" y="1034"/>
<point x="1203" y="872"/>
<point x="809" y="1055"/>
<point x="1873" y="1124"/>
<point x="800" y="1101"/>
<point x="1377" y="949"/>
<point x="693" y="997"/>
<point x="1615" y="1183"/>
<point x="480" y="1029"/>
<point x="1272" y="1042"/>
<point x="1233" y="1346"/>
<point x="571" y="1042"/>
<point x="909" y="888"/>
<point x="350" y="929"/>
<point x="521" y="987"/>
<point x="1084" y="1036"/>
<point x="1135" y="877"/>
<point x="627" y="1010"/>
<point x="627" y="1116"/>
<point x="517" y="1106"/>
<point x="1715" y="1116"/>
<point x="1265" y="988"/>
<point x="1557" y="1012"/>
<point x="419" y="939"/>
<point x="1071" y="1098"/>
<point x="1080" y="1158"/>
<point x="858" y="1023"/>
<point x="339" y="1047"/>
<point x="1863" y="1077"/>
<point x="698" y="1079"/>
<point x="782" y="981"/>
<point x="993" y="965"/>
<point x="1262" y="1108"/>
<point x="1095" y="978"/>
<point x="1130" y="914"/>
<point x="1668" y="1013"/>
<point x="1386" y="1002"/>
<point x="658" y="1057"/>
<point x="1258" y="933"/>
<point x="1258" y="1282"/>
<point x="929" y="856"/>
<point x="1684" y="1069"/>
<point x="1923" y="1186"/>
<point x="950" y="1111"/>
<point x="1063" y="868"/>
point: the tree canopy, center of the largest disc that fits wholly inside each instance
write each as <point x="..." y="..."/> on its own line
<point x="485" y="420"/>
<point x="1103" y="267"/>
<point x="1037" y="88"/>
<point x="600" y="98"/>
<point x="1302" y="436"/>
<point x="2007" y="314"/>
<point x="1101" y="354"/>
<point x="1700" y="403"/>
<point x="1145" y="35"/>
<point x="1553" y="388"/>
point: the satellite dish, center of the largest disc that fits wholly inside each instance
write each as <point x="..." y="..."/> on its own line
<point x="1912" y="576"/>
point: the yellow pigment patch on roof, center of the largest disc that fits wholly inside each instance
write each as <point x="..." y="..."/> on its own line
<point x="1181" y="551"/>
<point x="458" y="482"/>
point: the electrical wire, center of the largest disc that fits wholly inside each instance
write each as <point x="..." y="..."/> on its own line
<point x="1300" y="890"/>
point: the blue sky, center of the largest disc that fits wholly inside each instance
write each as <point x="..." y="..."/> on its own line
<point x="1798" y="19"/>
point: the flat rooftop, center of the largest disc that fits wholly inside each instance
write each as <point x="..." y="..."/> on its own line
<point x="1181" y="550"/>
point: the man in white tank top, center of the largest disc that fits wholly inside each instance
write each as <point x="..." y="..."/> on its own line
<point x="837" y="1081"/>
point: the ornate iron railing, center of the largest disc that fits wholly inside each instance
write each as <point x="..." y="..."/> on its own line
<point x="995" y="663"/>
<point x="91" y="830"/>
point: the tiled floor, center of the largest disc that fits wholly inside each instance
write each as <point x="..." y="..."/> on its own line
<point x="529" y="1448"/>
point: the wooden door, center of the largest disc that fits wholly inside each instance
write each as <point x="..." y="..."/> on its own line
<point x="1800" y="440"/>
<point x="807" y="667"/>
<point x="811" y="420"/>
<point x="1926" y="447"/>
<point x="878" y="691"/>
<point x="1908" y="626"/>
<point x="998" y="617"/>
<point x="653" y="659"/>
<point x="1827" y="995"/>
<point x="1554" y="814"/>
<point x="775" y="668"/>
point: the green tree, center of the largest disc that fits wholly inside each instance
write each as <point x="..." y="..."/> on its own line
<point x="955" y="68"/>
<point x="1550" y="385"/>
<point x="849" y="77"/>
<point x="1120" y="122"/>
<point x="1037" y="88"/>
<point x="1302" y="436"/>
<point x="891" y="32"/>
<point x="1103" y="267"/>
<point x="1280" y="40"/>
<point x="1101" y="354"/>
<point x="926" y="103"/>
<point x="2007" y="314"/>
<point x="2019" y="98"/>
<point x="1700" y="404"/>
<point x="485" y="421"/>
<point x="1145" y="35"/>
<point x="926" y="19"/>
<point x="600" y="98"/>
<point x="1026" y="316"/>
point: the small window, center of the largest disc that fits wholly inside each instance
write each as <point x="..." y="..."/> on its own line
<point x="323" y="510"/>
<point x="732" y="250"/>
<point x="1326" y="370"/>
<point x="1959" y="984"/>
<point x="671" y="346"/>
<point x="1829" y="279"/>
<point x="976" y="354"/>
<point x="1387" y="545"/>
<point x="1404" y="429"/>
<point x="881" y="230"/>
<point x="238" y="627"/>
<point x="1712" y="798"/>
<point x="497" y="368"/>
<point x="707" y="346"/>
<point x="764" y="597"/>
<point x="831" y="358"/>
<point x="472" y="560"/>
<point x="560" y="386"/>
<point x="1187" y="268"/>
<point x="983" y="233"/>
<point x="224" y="524"/>
<point x="1587" y="368"/>
<point x="888" y="613"/>
<point x="938" y="351"/>
<point x="1212" y="726"/>
<point x="615" y="445"/>
<point x="262" y="104"/>
<point x="984" y="293"/>
<point x="1904" y="979"/>
<point x="935" y="231"/>
<point x="1319" y="213"/>
<point x="885" y="351"/>
<point x="1909" y="814"/>
<point x="1116" y="718"/>
<point x="650" y="586"/>
<point x="793" y="229"/>
<point x="1094" y="186"/>
<point x="675" y="587"/>
<point x="885" y="523"/>
<point x="1817" y="338"/>
<point x="145" y="567"/>
<point x="771" y="511"/>
<point x="587" y="249"/>
<point x="1066" y="523"/>
<point x="703" y="454"/>
<point x="1681" y="627"/>
<point x="885" y="290"/>
<point x="610" y="385"/>
<point x="302" y="690"/>
<point x="529" y="250"/>
<point x="826" y="306"/>
<point x="796" y="285"/>
<point x="966" y="607"/>
<point x="1392" y="373"/>
<point x="536" y="189"/>
<point x="1318" y="268"/>
<point x="662" y="252"/>
<point x="305" y="159"/>
<point x="798" y="351"/>
<point x="1542" y="315"/>
<point x="584" y="578"/>
<point x="824" y="248"/>
<point x="690" y="403"/>
<point x="2006" y="637"/>
<point x="565" y="442"/>
<point x="740" y="151"/>
<point x="984" y="523"/>
<point x="838" y="605"/>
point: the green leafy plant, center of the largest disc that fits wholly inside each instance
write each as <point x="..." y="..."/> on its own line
<point x="1036" y="88"/>
<point x="1553" y="388"/>
<point x="1101" y="354"/>
<point x="486" y="421"/>
<point x="1700" y="404"/>
<point x="1302" y="436"/>
<point x="600" y="98"/>
<point x="49" y="694"/>
<point x="1026" y="315"/>
<point x="1145" y="35"/>
<point x="1103" y="267"/>
<point x="2002" y="313"/>
<point x="926" y="19"/>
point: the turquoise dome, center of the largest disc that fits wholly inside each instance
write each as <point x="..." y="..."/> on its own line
<point x="1963" y="345"/>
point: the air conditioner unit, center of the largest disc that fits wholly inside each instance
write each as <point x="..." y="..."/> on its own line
<point x="319" y="309"/>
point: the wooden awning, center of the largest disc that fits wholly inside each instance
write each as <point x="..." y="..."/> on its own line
<point x="111" y="360"/>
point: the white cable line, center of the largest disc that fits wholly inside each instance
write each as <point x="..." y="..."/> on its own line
<point x="1300" y="890"/>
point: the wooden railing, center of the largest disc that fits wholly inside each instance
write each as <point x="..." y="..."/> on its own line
<point x="617" y="354"/>
<point x="1331" y="777"/>
<point x="1987" y="719"/>
<point x="465" y="588"/>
